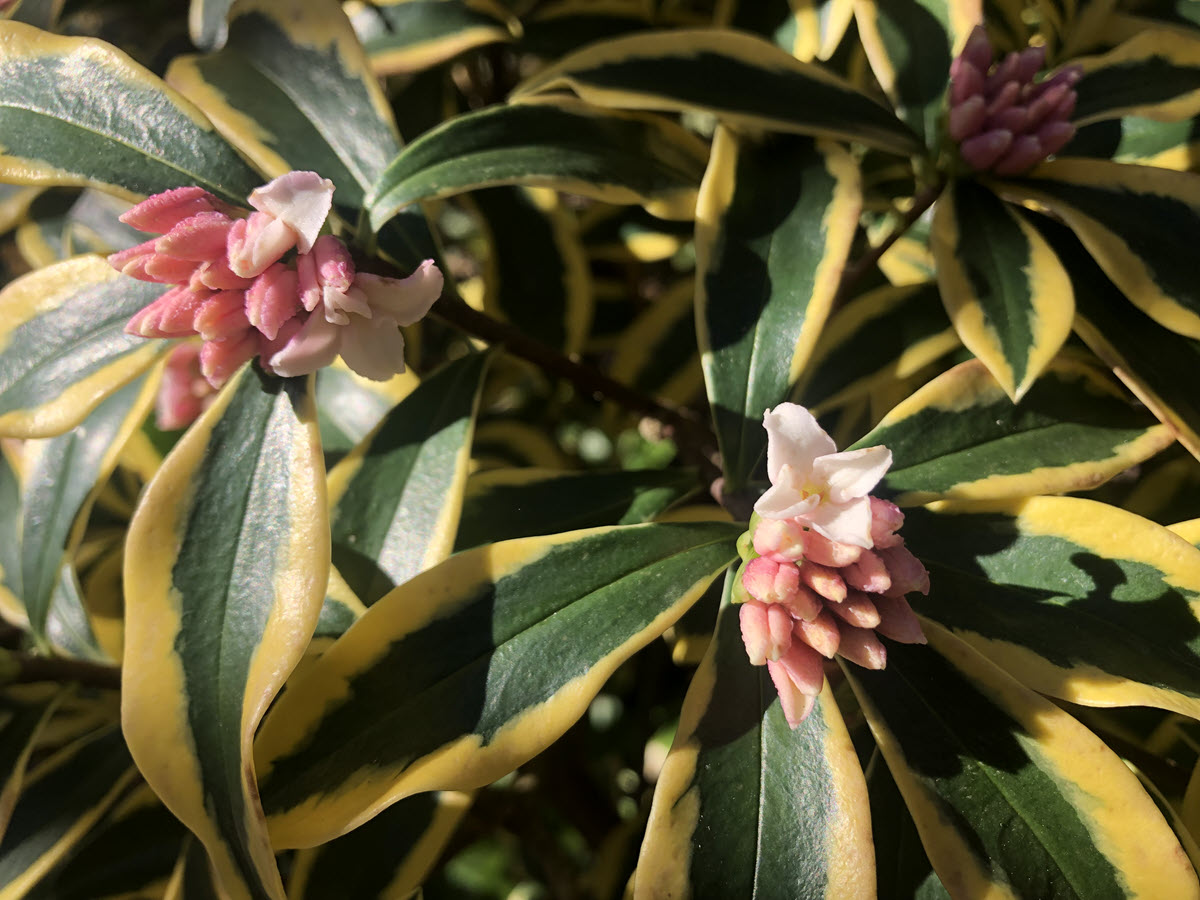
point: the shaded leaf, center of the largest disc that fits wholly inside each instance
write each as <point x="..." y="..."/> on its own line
<point x="775" y="224"/>
<point x="1010" y="794"/>
<point x="226" y="567"/>
<point x="960" y="436"/>
<point x="563" y="144"/>
<point x="77" y="111"/>
<point x="500" y="650"/>
<point x="742" y="79"/>
<point x="1004" y="289"/>
<point x="396" y="498"/>
<point x="744" y="802"/>
<point x="1077" y="599"/>
<point x="63" y="348"/>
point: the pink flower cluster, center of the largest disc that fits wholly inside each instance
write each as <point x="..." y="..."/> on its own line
<point x="824" y="569"/>
<point x="184" y="392"/>
<point x="1004" y="121"/>
<point x="813" y="598"/>
<point x="237" y="284"/>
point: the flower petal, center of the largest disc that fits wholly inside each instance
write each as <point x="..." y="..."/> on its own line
<point x="781" y="501"/>
<point x="845" y="523"/>
<point x="851" y="474"/>
<point x="374" y="348"/>
<point x="794" y="439"/>
<point x="404" y="299"/>
<point x="300" y="199"/>
<point x="314" y="346"/>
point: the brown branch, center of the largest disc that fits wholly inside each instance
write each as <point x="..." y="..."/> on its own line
<point x="861" y="266"/>
<point x="687" y="425"/>
<point x="25" y="668"/>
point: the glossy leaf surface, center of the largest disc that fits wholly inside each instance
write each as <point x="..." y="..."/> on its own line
<point x="567" y="145"/>
<point x="775" y="222"/>
<point x="1005" y="290"/>
<point x="961" y="437"/>
<point x="77" y="111"/>
<point x="1076" y="599"/>
<point x="512" y="503"/>
<point x="501" y="649"/>
<point x="60" y="482"/>
<point x="397" y="496"/>
<point x="292" y="89"/>
<point x="1136" y="221"/>
<point x="744" y="802"/>
<point x="1012" y="797"/>
<point x="226" y="567"/>
<point x="876" y="339"/>
<point x="63" y="347"/>
<point x="740" y="78"/>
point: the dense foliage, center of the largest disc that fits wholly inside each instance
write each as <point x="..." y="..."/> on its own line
<point x="512" y="622"/>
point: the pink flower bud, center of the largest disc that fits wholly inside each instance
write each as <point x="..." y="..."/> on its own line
<point x="1045" y="104"/>
<point x="308" y="283"/>
<point x="170" y="316"/>
<point x="217" y="276"/>
<point x="221" y="358"/>
<point x="1029" y="63"/>
<point x="168" y="269"/>
<point x="886" y="520"/>
<point x="162" y="212"/>
<point x="803" y="603"/>
<point x="769" y="581"/>
<point x="132" y="260"/>
<point x="1025" y="152"/>
<point x="898" y="621"/>
<point x="906" y="570"/>
<point x="268" y="347"/>
<point x="1053" y="136"/>
<point x="822" y="633"/>
<point x="859" y="645"/>
<point x="825" y="552"/>
<point x="982" y="151"/>
<point x="779" y="626"/>
<point x="978" y="49"/>
<point x="222" y="316"/>
<point x="272" y="299"/>
<point x="795" y="703"/>
<point x="857" y="610"/>
<point x="867" y="574"/>
<point x="824" y="581"/>
<point x="756" y="631"/>
<point x="1014" y="119"/>
<point x="967" y="118"/>
<point x="184" y="393"/>
<point x="200" y="238"/>
<point x="1008" y="94"/>
<point x="779" y="539"/>
<point x="966" y="81"/>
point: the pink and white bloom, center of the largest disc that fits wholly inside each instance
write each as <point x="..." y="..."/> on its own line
<point x="233" y="286"/>
<point x="290" y="213"/>
<point x="812" y="483"/>
<point x="825" y="571"/>
<point x="359" y="322"/>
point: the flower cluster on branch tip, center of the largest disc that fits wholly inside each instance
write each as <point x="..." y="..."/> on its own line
<point x="1004" y="121"/>
<point x="823" y="568"/>
<point x="237" y="284"/>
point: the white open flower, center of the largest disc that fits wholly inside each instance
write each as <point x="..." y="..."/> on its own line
<point x="812" y="482"/>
